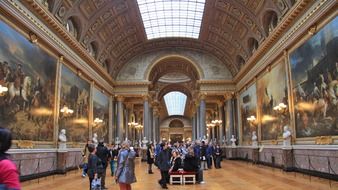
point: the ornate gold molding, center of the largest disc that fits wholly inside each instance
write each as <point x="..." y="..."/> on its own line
<point x="277" y="34"/>
<point x="324" y="140"/>
<point x="25" y="144"/>
<point x="59" y="29"/>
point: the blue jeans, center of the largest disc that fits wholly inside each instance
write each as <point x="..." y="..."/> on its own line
<point x="84" y="169"/>
<point x="112" y="167"/>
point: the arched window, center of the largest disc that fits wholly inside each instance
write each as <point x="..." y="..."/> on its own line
<point x="72" y="27"/>
<point x="106" y="65"/>
<point x="252" y="45"/>
<point x="92" y="49"/>
<point x="240" y="61"/>
<point x="270" y="21"/>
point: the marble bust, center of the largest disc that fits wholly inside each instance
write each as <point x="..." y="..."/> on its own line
<point x="62" y="139"/>
<point x="254" y="139"/>
<point x="117" y="140"/>
<point x="95" y="139"/>
<point x="286" y="136"/>
<point x="144" y="142"/>
<point x="233" y="141"/>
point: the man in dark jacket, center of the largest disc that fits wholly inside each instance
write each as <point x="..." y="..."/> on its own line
<point x="164" y="165"/>
<point x="103" y="153"/>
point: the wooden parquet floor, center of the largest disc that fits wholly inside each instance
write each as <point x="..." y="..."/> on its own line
<point x="234" y="175"/>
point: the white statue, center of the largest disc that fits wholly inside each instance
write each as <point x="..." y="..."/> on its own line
<point x="286" y="136"/>
<point x="62" y="139"/>
<point x="117" y="140"/>
<point x="95" y="142"/>
<point x="144" y="142"/>
<point x="254" y="139"/>
<point x="233" y="141"/>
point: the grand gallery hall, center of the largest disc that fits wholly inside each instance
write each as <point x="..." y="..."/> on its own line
<point x="169" y="94"/>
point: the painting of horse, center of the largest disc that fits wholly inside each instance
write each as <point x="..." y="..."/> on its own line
<point x="29" y="73"/>
<point x="314" y="71"/>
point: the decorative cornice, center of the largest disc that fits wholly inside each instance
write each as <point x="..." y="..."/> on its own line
<point x="132" y="83"/>
<point x="272" y="39"/>
<point x="215" y="82"/>
<point x="53" y="24"/>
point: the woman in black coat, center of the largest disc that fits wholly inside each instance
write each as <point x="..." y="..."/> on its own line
<point x="176" y="161"/>
<point x="191" y="164"/>
<point x="150" y="158"/>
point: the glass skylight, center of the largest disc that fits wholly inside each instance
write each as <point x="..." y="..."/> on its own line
<point x="171" y="18"/>
<point x="175" y="102"/>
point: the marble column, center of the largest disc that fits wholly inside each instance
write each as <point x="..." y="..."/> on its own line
<point x="156" y="127"/>
<point x="110" y="123"/>
<point x="193" y="127"/>
<point x="119" y="124"/>
<point x="126" y="120"/>
<point x="229" y="126"/>
<point x="146" y="126"/>
<point x="198" y="134"/>
<point x="151" y="125"/>
<point x="220" y="127"/>
<point x="202" y="116"/>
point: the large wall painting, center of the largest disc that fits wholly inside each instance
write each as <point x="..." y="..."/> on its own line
<point x="248" y="104"/>
<point x="74" y="96"/>
<point x="272" y="90"/>
<point x="101" y="114"/>
<point x="29" y="73"/>
<point x="314" y="69"/>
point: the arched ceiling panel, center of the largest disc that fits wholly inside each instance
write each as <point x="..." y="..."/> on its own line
<point x="117" y="27"/>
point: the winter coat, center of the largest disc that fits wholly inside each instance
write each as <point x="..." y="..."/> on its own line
<point x="125" y="171"/>
<point x="150" y="156"/>
<point x="94" y="166"/>
<point x="176" y="164"/>
<point x="190" y="163"/>
<point x="164" y="160"/>
<point x="103" y="153"/>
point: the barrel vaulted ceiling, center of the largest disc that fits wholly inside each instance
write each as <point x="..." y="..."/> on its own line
<point x="113" y="31"/>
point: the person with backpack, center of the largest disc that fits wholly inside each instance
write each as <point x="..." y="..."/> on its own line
<point x="103" y="153"/>
<point x="9" y="177"/>
<point x="125" y="169"/>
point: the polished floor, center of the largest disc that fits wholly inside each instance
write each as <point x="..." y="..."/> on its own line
<point x="234" y="175"/>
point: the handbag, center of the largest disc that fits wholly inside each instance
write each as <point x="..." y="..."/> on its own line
<point x="96" y="184"/>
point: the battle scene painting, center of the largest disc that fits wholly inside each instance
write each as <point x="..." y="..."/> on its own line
<point x="74" y="106"/>
<point x="101" y="114"/>
<point x="29" y="74"/>
<point x="314" y="70"/>
<point x="272" y="90"/>
<point x="248" y="105"/>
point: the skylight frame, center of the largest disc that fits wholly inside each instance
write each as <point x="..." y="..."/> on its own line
<point x="171" y="18"/>
<point x="175" y="103"/>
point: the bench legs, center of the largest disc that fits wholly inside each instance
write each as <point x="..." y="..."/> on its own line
<point x="189" y="179"/>
<point x="174" y="177"/>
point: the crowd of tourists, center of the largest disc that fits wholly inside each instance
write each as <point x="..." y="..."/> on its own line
<point x="189" y="157"/>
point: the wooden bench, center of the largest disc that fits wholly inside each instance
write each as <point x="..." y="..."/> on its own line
<point x="182" y="177"/>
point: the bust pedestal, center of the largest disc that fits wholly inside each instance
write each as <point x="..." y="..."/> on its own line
<point x="61" y="166"/>
<point x="143" y="154"/>
<point x="255" y="155"/>
<point x="231" y="152"/>
<point x="287" y="159"/>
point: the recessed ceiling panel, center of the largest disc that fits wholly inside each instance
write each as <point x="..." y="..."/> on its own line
<point x="171" y="18"/>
